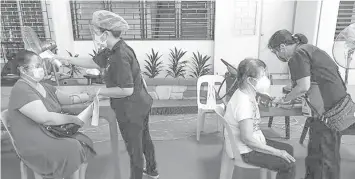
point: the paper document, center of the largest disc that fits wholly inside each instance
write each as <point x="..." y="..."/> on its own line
<point x="91" y="111"/>
<point x="86" y="114"/>
<point x="144" y="83"/>
<point x="95" y="113"/>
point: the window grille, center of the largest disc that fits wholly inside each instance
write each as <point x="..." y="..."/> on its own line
<point x="150" y="20"/>
<point x="34" y="13"/>
<point x="346" y="16"/>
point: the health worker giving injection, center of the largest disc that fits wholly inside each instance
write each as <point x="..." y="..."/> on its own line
<point x="125" y="87"/>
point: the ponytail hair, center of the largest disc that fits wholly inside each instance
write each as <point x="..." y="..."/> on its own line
<point x="287" y="38"/>
<point x="300" y="38"/>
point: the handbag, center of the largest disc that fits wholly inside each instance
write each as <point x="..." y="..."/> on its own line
<point x="340" y="116"/>
<point x="337" y="118"/>
<point x="62" y="131"/>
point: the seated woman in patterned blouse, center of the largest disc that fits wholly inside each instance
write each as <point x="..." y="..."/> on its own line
<point x="34" y="104"/>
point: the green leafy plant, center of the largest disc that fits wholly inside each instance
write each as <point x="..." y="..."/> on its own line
<point x="153" y="65"/>
<point x="176" y="66"/>
<point x="199" y="65"/>
<point x="73" y="69"/>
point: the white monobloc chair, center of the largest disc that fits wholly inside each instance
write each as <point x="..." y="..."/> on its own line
<point x="211" y="102"/>
<point x="23" y="166"/>
<point x="233" y="158"/>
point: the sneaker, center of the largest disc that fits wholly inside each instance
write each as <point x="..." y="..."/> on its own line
<point x="154" y="174"/>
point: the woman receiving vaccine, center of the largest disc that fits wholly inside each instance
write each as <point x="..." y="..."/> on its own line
<point x="242" y="114"/>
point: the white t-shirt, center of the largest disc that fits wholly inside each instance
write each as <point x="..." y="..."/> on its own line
<point x="241" y="107"/>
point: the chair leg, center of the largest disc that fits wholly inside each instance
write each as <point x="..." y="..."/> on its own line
<point x="227" y="166"/>
<point x="200" y="123"/>
<point x="37" y="176"/>
<point x="76" y="174"/>
<point x="272" y="174"/>
<point x="23" y="169"/>
<point x="217" y="125"/>
<point x="263" y="173"/>
<point x="82" y="169"/>
<point x="270" y="121"/>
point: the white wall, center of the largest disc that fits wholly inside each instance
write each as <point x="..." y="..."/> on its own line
<point x="234" y="40"/>
<point x="229" y="44"/>
<point x="307" y="19"/>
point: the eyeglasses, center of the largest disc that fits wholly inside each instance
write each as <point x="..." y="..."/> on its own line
<point x="276" y="52"/>
<point x="38" y="65"/>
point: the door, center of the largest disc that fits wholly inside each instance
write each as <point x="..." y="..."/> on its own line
<point x="275" y="15"/>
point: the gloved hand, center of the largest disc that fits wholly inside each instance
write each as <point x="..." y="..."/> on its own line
<point x="280" y="101"/>
<point x="101" y="58"/>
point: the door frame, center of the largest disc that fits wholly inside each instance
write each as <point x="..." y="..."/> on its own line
<point x="261" y="30"/>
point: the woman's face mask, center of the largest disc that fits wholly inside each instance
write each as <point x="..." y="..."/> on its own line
<point x="280" y="54"/>
<point x="37" y="74"/>
<point x="262" y="85"/>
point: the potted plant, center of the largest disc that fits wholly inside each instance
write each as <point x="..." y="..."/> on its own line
<point x="153" y="65"/>
<point x="72" y="68"/>
<point x="177" y="65"/>
<point x="199" y="65"/>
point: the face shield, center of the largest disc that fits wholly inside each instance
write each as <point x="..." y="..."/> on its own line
<point x="109" y="21"/>
<point x="97" y="36"/>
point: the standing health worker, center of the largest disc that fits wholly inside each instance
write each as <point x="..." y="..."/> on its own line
<point x="125" y="86"/>
<point x="313" y="71"/>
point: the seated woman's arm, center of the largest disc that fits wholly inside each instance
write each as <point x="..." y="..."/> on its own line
<point x="246" y="135"/>
<point x="36" y="111"/>
<point x="67" y="99"/>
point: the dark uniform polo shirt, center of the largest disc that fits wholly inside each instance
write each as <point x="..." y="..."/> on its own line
<point x="309" y="60"/>
<point x="121" y="69"/>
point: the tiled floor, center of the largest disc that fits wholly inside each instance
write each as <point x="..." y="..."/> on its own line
<point x="188" y="159"/>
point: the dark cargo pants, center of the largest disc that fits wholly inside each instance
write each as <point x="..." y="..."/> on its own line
<point x="138" y="142"/>
<point x="323" y="159"/>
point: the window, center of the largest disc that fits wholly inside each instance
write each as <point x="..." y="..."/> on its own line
<point x="150" y="20"/>
<point x="23" y="13"/>
<point x="346" y="16"/>
<point x="195" y="21"/>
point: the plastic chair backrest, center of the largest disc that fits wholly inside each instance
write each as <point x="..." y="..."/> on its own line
<point x="4" y="119"/>
<point x="234" y="154"/>
<point x="212" y="88"/>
